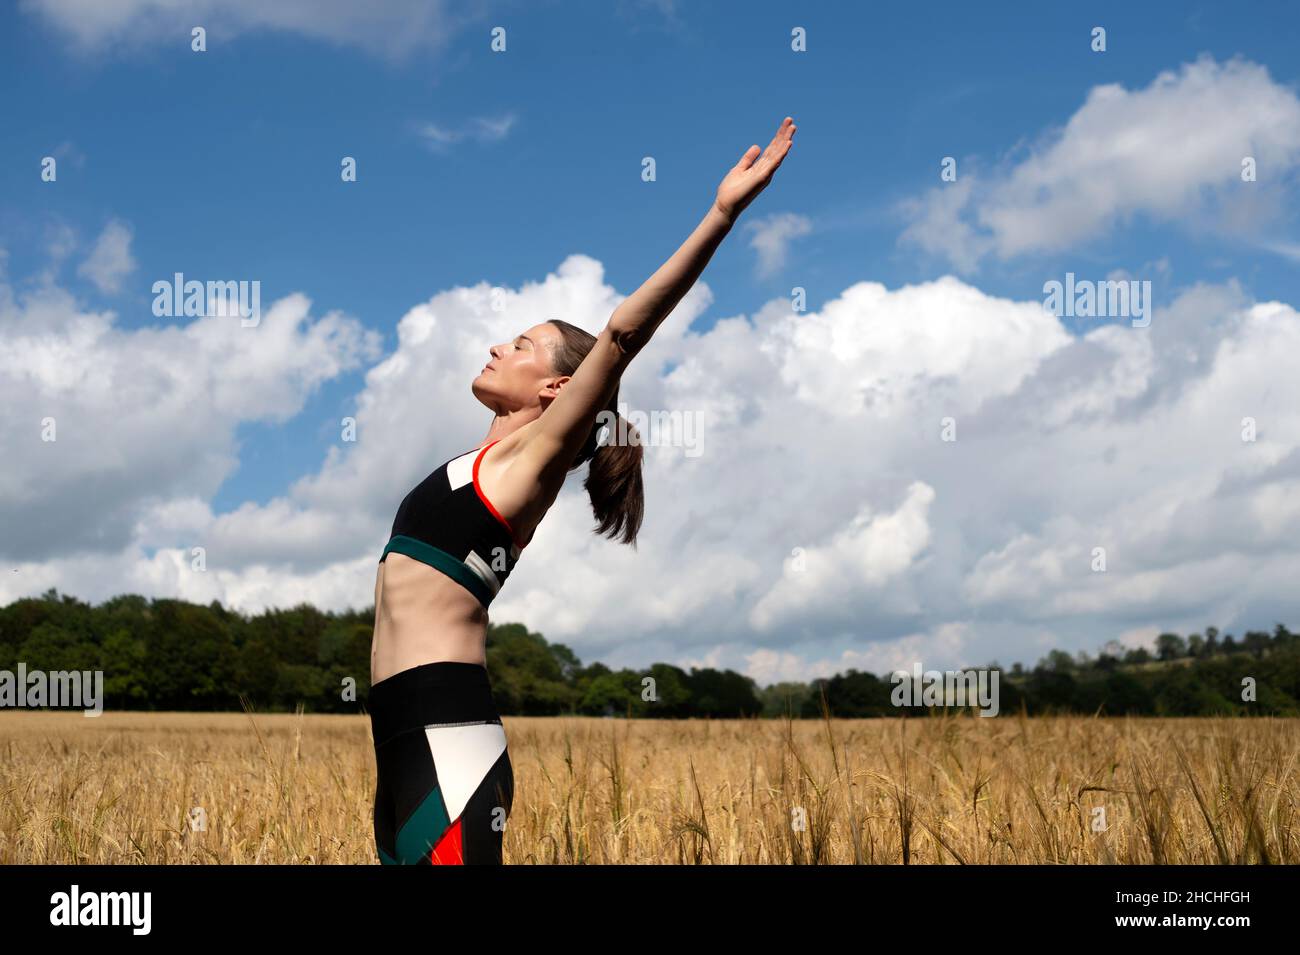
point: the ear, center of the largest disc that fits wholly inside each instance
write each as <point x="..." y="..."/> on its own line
<point x="552" y="387"/>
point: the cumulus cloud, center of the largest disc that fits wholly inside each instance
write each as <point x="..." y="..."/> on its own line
<point x="943" y="465"/>
<point x="106" y="428"/>
<point x="1171" y="152"/>
<point x="856" y="562"/>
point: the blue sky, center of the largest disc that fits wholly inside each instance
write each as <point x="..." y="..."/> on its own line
<point x="225" y="164"/>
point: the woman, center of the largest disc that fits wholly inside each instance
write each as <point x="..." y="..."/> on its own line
<point x="445" y="784"/>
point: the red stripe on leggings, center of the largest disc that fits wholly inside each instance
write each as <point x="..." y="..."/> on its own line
<point x="448" y="850"/>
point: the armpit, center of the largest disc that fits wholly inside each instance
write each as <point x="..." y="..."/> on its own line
<point x="628" y="342"/>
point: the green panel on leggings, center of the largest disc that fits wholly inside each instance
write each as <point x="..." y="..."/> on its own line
<point x="423" y="829"/>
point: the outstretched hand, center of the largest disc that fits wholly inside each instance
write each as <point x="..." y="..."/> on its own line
<point x="748" y="177"/>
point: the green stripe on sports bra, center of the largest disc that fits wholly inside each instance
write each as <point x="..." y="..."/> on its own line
<point x="440" y="560"/>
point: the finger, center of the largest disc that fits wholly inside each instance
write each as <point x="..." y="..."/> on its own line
<point x="780" y="143"/>
<point x="774" y="155"/>
<point x="780" y="158"/>
<point x="772" y="163"/>
<point x="747" y="159"/>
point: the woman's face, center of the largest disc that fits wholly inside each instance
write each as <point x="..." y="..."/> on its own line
<point x="518" y="370"/>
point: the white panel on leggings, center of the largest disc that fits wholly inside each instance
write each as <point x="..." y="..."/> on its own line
<point x="462" y="756"/>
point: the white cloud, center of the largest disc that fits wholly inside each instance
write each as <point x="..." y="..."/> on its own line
<point x="1171" y="152"/>
<point x="61" y="240"/>
<point x="946" y="642"/>
<point x="110" y="259"/>
<point x="479" y="129"/>
<point x="144" y="418"/>
<point x="1139" y="637"/>
<point x="857" y="562"/>
<point x="393" y="28"/>
<point x="772" y="236"/>
<point x="823" y="431"/>
<point x="1290" y="250"/>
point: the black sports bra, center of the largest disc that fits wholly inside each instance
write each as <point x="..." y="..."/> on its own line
<point x="447" y="522"/>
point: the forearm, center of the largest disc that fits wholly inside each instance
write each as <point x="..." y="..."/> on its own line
<point x="638" y="315"/>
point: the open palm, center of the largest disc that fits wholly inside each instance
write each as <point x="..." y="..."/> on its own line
<point x="751" y="175"/>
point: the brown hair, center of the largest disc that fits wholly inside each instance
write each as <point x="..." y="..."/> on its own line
<point x="614" y="479"/>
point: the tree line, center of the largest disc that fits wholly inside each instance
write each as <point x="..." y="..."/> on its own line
<point x="163" y="654"/>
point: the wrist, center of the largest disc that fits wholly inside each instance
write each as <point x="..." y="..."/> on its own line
<point x="721" y="216"/>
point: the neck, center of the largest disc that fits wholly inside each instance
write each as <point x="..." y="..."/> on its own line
<point x="510" y="422"/>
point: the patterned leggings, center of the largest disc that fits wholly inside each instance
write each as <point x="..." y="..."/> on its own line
<point x="445" y="784"/>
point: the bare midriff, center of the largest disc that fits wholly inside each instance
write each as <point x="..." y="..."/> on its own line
<point x="422" y="615"/>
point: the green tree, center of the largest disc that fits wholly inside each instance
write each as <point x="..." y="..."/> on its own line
<point x="1170" y="646"/>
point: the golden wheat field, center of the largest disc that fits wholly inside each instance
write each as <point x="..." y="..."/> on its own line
<point x="123" y="787"/>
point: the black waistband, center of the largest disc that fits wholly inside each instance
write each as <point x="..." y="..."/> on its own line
<point x="448" y="691"/>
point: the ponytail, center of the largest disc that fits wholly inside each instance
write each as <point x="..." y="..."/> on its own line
<point x="614" y="478"/>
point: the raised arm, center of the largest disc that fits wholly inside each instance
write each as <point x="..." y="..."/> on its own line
<point x="564" y="426"/>
<point x="638" y="315"/>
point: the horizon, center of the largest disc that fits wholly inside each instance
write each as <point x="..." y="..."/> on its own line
<point x="1082" y="659"/>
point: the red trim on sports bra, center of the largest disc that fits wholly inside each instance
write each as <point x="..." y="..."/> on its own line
<point x="478" y="489"/>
